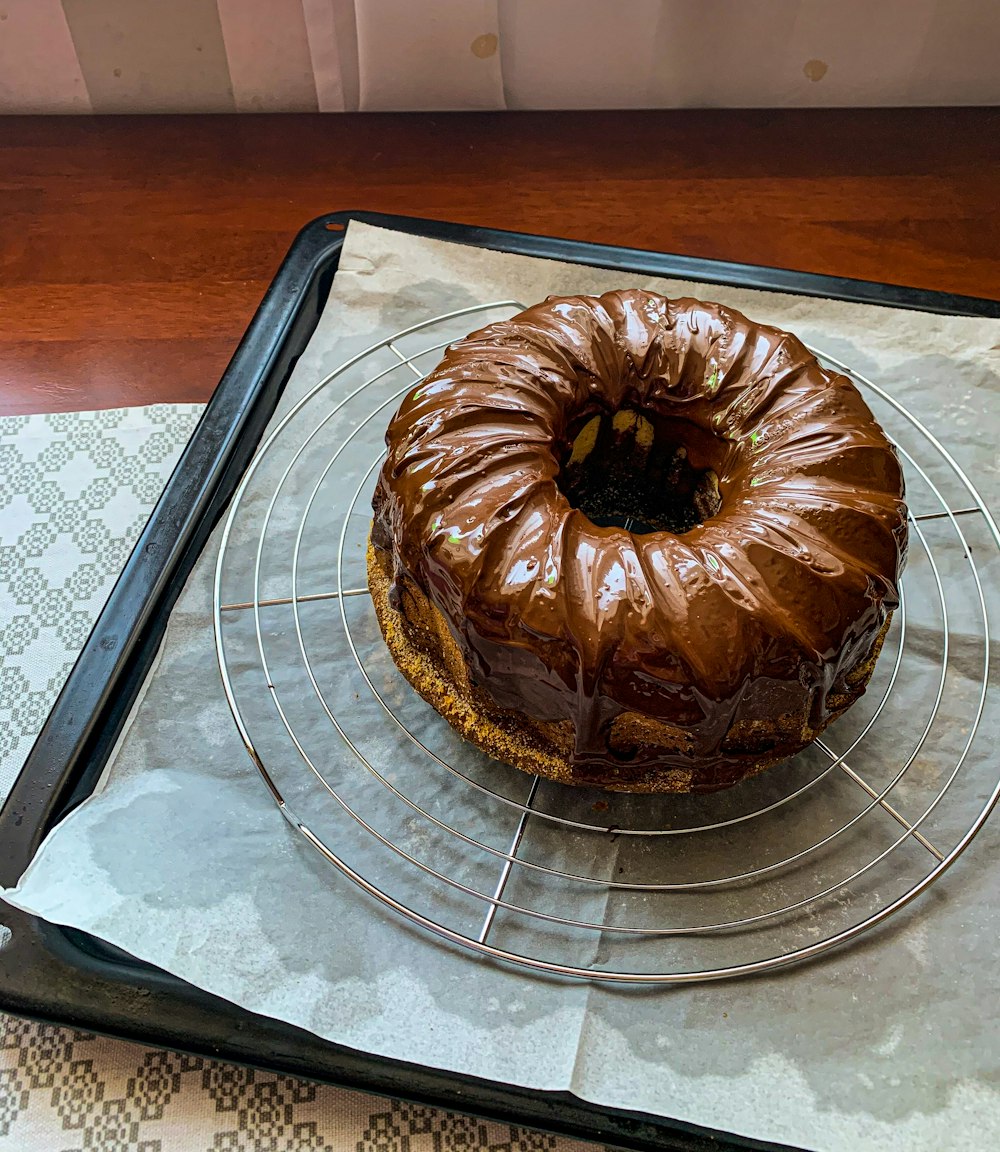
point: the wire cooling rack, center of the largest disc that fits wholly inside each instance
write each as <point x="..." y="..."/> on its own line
<point x="578" y="882"/>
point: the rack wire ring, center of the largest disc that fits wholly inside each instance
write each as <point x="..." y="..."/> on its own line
<point x="536" y="963"/>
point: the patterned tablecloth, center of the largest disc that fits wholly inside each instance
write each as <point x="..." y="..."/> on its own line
<point x="75" y="491"/>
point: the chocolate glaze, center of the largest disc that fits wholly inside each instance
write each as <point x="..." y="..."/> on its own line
<point x="760" y="611"/>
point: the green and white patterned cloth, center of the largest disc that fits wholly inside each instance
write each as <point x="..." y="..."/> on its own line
<point x="75" y="492"/>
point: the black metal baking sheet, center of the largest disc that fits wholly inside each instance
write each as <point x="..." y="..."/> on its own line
<point x="65" y="976"/>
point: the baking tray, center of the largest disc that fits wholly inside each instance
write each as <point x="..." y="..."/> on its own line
<point x="62" y="975"/>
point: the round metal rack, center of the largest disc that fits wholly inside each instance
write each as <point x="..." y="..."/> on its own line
<point x="574" y="882"/>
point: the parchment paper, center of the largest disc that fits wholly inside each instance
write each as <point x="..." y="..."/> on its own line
<point x="182" y="858"/>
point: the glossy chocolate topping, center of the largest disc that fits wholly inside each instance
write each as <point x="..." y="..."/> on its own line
<point x="765" y="605"/>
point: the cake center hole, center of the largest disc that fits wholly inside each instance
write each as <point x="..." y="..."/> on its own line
<point x="631" y="470"/>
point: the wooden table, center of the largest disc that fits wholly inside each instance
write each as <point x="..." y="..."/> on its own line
<point x="133" y="251"/>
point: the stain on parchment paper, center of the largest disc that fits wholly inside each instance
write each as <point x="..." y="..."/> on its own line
<point x="427" y="298"/>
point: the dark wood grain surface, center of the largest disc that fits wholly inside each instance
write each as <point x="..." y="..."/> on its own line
<point x="134" y="250"/>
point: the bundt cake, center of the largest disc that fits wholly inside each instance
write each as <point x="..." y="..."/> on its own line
<point x="635" y="542"/>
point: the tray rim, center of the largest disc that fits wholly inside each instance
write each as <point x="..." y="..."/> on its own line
<point x="60" y="975"/>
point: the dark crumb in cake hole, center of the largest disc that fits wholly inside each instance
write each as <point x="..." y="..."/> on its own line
<point x="630" y="470"/>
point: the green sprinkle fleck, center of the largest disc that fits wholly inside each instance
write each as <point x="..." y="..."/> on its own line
<point x="454" y="538"/>
<point x="436" y="525"/>
<point x="713" y="380"/>
<point x="755" y="481"/>
<point x="551" y="578"/>
<point x="756" y="437"/>
<point x="713" y="563"/>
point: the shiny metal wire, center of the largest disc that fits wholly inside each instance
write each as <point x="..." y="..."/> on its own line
<point x="509" y="860"/>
